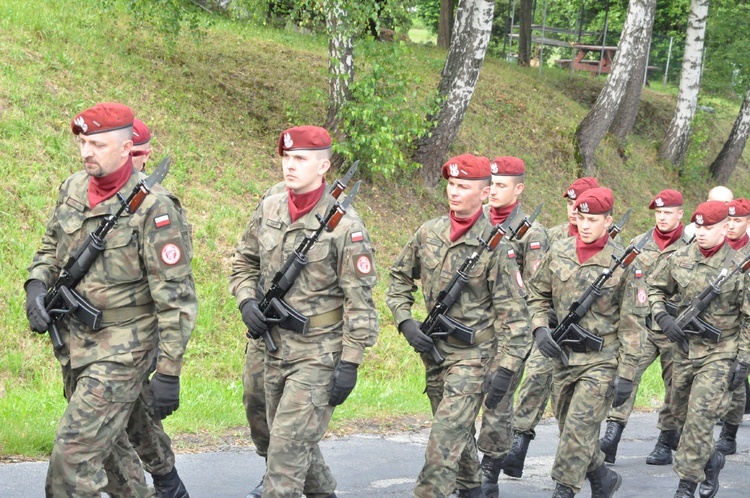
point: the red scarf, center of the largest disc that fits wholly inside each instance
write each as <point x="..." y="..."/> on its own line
<point x="101" y="189"/>
<point x="499" y="215"/>
<point x="301" y="204"/>
<point x="572" y="230"/>
<point x="459" y="226"/>
<point x="584" y="251"/>
<point x="707" y="253"/>
<point x="738" y="243"/>
<point x="664" y="240"/>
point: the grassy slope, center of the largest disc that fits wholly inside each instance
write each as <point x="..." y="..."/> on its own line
<point x="217" y="104"/>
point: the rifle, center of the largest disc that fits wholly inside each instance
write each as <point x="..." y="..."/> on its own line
<point x="61" y="298"/>
<point x="568" y="332"/>
<point x="340" y="184"/>
<point x="615" y="229"/>
<point x="273" y="306"/>
<point x="438" y="324"/>
<point x="518" y="232"/>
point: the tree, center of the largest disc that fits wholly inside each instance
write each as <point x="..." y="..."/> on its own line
<point x="340" y="60"/>
<point x="723" y="166"/>
<point x="445" y="24"/>
<point x="471" y="36"/>
<point x="525" y="19"/>
<point x="594" y="126"/>
<point x="677" y="139"/>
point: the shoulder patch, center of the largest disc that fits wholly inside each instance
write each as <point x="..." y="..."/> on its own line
<point x="171" y="254"/>
<point x="534" y="246"/>
<point x="519" y="279"/>
<point x="638" y="273"/>
<point x="536" y="265"/>
<point x="642" y="296"/>
<point x="511" y="253"/>
<point x="363" y="265"/>
<point x="162" y="221"/>
<point x="357" y="236"/>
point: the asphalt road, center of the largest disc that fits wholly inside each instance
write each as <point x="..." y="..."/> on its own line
<point x="386" y="466"/>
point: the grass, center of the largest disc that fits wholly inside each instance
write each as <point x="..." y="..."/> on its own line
<point x="217" y="104"/>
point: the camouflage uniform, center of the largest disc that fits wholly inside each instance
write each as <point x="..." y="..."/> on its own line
<point x="579" y="391"/>
<point x="335" y="292"/>
<point x="700" y="378"/>
<point x="492" y="304"/>
<point x="145" y="301"/>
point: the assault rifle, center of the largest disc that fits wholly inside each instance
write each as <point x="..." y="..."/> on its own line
<point x="615" y="229"/>
<point x="273" y="306"/>
<point x="568" y="332"/>
<point x="62" y="299"/>
<point x="518" y="232"/>
<point x="438" y="324"/>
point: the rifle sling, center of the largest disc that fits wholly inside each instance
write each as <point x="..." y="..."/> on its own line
<point x="326" y="319"/>
<point x="479" y="338"/>
<point x="115" y="315"/>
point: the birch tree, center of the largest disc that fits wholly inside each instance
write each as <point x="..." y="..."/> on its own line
<point x="677" y="139"/>
<point x="723" y="166"/>
<point x="340" y="60"/>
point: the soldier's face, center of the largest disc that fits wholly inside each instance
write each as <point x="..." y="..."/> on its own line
<point x="667" y="219"/>
<point x="104" y="153"/>
<point x="710" y="236"/>
<point x="141" y="154"/>
<point x="465" y="197"/>
<point x="737" y="226"/>
<point x="304" y="170"/>
<point x="591" y="227"/>
<point x="504" y="191"/>
<point x="572" y="213"/>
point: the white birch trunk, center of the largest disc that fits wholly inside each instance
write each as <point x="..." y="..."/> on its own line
<point x="340" y="61"/>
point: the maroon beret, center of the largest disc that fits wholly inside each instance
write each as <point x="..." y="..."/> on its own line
<point x="507" y="166"/>
<point x="106" y="116"/>
<point x="596" y="200"/>
<point x="580" y="186"/>
<point x="739" y="207"/>
<point x="141" y="135"/>
<point x="467" y="167"/>
<point x="666" y="198"/>
<point x="710" y="213"/>
<point x="304" y="138"/>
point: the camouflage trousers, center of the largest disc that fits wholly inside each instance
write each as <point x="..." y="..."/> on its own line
<point x="736" y="409"/>
<point x="580" y="402"/>
<point x="254" y="396"/>
<point x="699" y="396"/>
<point x="91" y="452"/>
<point x="298" y="413"/>
<point x="496" y="435"/>
<point x="454" y="389"/>
<point x="534" y="392"/>
<point x="655" y="345"/>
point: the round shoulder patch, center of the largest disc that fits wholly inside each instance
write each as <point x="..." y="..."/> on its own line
<point x="642" y="296"/>
<point x="364" y="265"/>
<point x="171" y="254"/>
<point x="519" y="279"/>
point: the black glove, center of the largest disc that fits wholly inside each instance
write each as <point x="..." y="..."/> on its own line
<point x="416" y="338"/>
<point x="545" y="343"/>
<point x="671" y="330"/>
<point x="622" y="389"/>
<point x="738" y="374"/>
<point x="343" y="380"/>
<point x="36" y="312"/>
<point x="496" y="386"/>
<point x="253" y="318"/>
<point x="166" y="392"/>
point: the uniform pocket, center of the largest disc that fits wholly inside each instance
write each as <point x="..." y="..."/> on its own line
<point x="121" y="260"/>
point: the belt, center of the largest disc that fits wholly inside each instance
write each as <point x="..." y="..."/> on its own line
<point x="328" y="318"/>
<point x="480" y="338"/>
<point x="127" y="313"/>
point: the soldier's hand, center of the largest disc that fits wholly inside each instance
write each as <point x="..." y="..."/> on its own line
<point x="738" y="374"/>
<point x="36" y="312"/>
<point x="622" y="389"/>
<point x="416" y="338"/>
<point x="343" y="380"/>
<point x="547" y="346"/>
<point x="166" y="392"/>
<point x="673" y="332"/>
<point x="253" y="318"/>
<point x="497" y="386"/>
<point x="552" y="318"/>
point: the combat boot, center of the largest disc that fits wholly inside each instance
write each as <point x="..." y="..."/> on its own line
<point x="604" y="482"/>
<point x="662" y="454"/>
<point x="747" y="397"/>
<point x="611" y="439"/>
<point x="686" y="489"/>
<point x="513" y="463"/>
<point x="471" y="493"/>
<point x="258" y="491"/>
<point x="562" y="491"/>
<point x="491" y="468"/>
<point x="710" y="486"/>
<point x="727" y="442"/>
<point x="170" y="485"/>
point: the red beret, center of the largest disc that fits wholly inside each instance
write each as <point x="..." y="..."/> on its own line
<point x="580" y="186"/>
<point x="304" y="138"/>
<point x="106" y="116"/>
<point x="141" y="135"/>
<point x="666" y="198"/>
<point x="467" y="167"/>
<point x="507" y="166"/>
<point x="710" y="213"/>
<point x="596" y="200"/>
<point x="739" y="207"/>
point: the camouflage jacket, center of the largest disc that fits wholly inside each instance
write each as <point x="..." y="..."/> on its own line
<point x="146" y="263"/>
<point x="491" y="303"/>
<point x="557" y="232"/>
<point x="688" y="273"/>
<point x="617" y="316"/>
<point x="530" y="249"/>
<point x="339" y="275"/>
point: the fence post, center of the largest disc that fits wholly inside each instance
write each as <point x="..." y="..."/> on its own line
<point x="669" y="56"/>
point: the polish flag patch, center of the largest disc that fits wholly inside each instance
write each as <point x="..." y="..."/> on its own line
<point x="535" y="246"/>
<point x="638" y="274"/>
<point x="162" y="221"/>
<point x="511" y="253"/>
<point x="357" y="236"/>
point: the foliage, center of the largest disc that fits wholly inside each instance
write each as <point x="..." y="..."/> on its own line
<point x="728" y="48"/>
<point x="429" y="12"/>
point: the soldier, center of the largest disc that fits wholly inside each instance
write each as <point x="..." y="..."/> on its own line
<point x="309" y="374"/>
<point x="664" y="239"/>
<point x="535" y="390"/>
<point x="593" y="381"/>
<point x="144" y="287"/>
<point x="491" y="304"/>
<point x="507" y="185"/>
<point x="737" y="238"/>
<point x="719" y="193"/>
<point x="704" y="372"/>
<point x="141" y="145"/>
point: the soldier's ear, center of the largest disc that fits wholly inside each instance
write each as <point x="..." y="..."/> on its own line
<point x="608" y="221"/>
